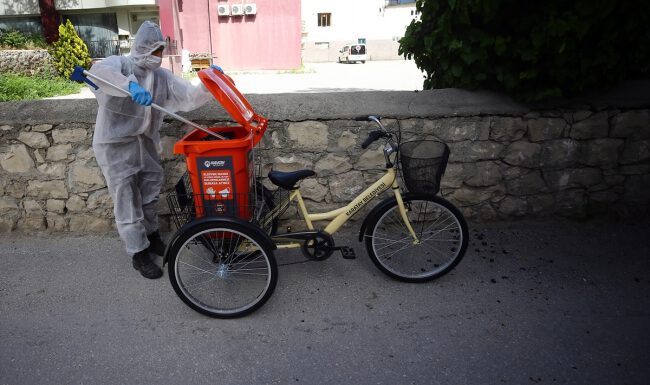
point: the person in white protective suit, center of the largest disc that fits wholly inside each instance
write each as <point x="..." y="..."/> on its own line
<point x="126" y="141"/>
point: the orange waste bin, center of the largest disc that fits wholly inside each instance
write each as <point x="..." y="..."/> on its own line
<point x="221" y="172"/>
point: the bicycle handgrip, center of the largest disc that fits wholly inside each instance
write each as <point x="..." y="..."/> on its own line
<point x="372" y="136"/>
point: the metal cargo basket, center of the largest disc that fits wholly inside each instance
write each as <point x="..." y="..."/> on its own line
<point x="423" y="165"/>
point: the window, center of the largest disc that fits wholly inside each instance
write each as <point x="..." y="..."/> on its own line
<point x="324" y="19"/>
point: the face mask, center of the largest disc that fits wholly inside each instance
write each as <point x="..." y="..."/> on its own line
<point x="152" y="62"/>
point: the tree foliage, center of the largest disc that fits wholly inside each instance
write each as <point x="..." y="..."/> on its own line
<point x="533" y="50"/>
<point x="69" y="50"/>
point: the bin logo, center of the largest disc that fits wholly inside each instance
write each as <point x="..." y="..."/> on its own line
<point x="214" y="163"/>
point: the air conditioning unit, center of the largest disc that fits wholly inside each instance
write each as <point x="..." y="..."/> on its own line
<point x="237" y="10"/>
<point x="250" y="9"/>
<point x="223" y="10"/>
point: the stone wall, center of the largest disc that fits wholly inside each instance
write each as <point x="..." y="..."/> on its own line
<point x="507" y="161"/>
<point x="27" y="62"/>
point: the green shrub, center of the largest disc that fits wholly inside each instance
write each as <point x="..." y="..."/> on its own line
<point x="69" y="51"/>
<point x="17" y="87"/>
<point x="532" y="50"/>
<point x="13" y="39"/>
<point x="17" y="40"/>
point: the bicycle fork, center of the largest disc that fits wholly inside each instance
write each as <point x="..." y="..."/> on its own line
<point x="402" y="211"/>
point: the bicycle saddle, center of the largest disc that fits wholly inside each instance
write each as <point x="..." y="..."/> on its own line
<point x="288" y="180"/>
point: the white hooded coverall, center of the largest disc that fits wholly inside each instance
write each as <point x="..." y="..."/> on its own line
<point x="126" y="141"/>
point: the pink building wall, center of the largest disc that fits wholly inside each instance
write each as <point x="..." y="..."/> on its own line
<point x="268" y="40"/>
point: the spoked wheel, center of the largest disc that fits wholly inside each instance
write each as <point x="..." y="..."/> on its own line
<point x="222" y="269"/>
<point x="442" y="238"/>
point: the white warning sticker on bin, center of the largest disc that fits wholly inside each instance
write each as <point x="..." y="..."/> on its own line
<point x="217" y="184"/>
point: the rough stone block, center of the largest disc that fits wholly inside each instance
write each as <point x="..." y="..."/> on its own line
<point x="558" y="180"/>
<point x="371" y="160"/>
<point x="84" y="177"/>
<point x="637" y="189"/>
<point x="33" y="208"/>
<point x="571" y="203"/>
<point x="347" y="141"/>
<point x="42" y="127"/>
<point x="52" y="170"/>
<point x="507" y="129"/>
<point x="33" y="223"/>
<point x="311" y="189"/>
<point x="346" y="186"/>
<point x="473" y="151"/>
<point x="546" y="129"/>
<point x="559" y="153"/>
<point x="600" y="152"/>
<point x="513" y="206"/>
<point x="56" y="222"/>
<point x="527" y="184"/>
<point x="635" y="169"/>
<point x="485" y="174"/>
<point x="47" y="189"/>
<point x="16" y="159"/>
<point x="454" y="176"/>
<point x="85" y="153"/>
<point x="69" y="135"/>
<point x="34" y="139"/>
<point x="596" y="126"/>
<point x="636" y="151"/>
<point x="7" y="224"/>
<point x="460" y="129"/>
<point x="475" y="195"/>
<point x="58" y="152"/>
<point x="541" y="203"/>
<point x="8" y="204"/>
<point x="55" y="206"/>
<point x="631" y="124"/>
<point x="332" y="164"/>
<point x="75" y="203"/>
<point x="310" y="135"/>
<point x="101" y="200"/>
<point x="291" y="163"/>
<point x="523" y="154"/>
<point x="83" y="223"/>
<point x="39" y="156"/>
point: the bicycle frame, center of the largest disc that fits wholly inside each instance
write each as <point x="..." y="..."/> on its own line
<point x="340" y="216"/>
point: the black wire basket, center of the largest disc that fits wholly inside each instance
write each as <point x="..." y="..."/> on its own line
<point x="423" y="165"/>
<point x="259" y="206"/>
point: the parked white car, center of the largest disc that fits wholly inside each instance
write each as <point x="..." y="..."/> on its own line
<point x="352" y="53"/>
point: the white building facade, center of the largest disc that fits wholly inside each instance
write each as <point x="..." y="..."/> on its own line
<point x="328" y="25"/>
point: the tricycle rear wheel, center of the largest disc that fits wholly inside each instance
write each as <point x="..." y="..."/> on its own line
<point x="222" y="268"/>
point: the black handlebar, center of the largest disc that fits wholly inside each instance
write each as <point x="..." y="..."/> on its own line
<point x="372" y="136"/>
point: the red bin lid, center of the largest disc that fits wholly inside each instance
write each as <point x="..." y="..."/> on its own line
<point x="224" y="90"/>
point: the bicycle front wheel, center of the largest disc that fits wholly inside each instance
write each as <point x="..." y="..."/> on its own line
<point x="222" y="269"/>
<point x="442" y="238"/>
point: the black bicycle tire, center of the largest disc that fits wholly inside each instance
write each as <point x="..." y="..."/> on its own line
<point x="370" y="230"/>
<point x="188" y="232"/>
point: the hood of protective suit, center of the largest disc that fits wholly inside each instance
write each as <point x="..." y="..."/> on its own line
<point x="148" y="39"/>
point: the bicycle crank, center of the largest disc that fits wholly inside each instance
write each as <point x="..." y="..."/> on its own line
<point x="319" y="247"/>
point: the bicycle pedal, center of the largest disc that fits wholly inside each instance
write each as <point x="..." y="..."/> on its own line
<point x="348" y="252"/>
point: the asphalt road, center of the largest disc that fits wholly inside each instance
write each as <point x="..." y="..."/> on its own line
<point x="532" y="302"/>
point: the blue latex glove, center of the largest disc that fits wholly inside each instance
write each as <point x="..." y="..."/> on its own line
<point x="139" y="94"/>
<point x="216" y="67"/>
